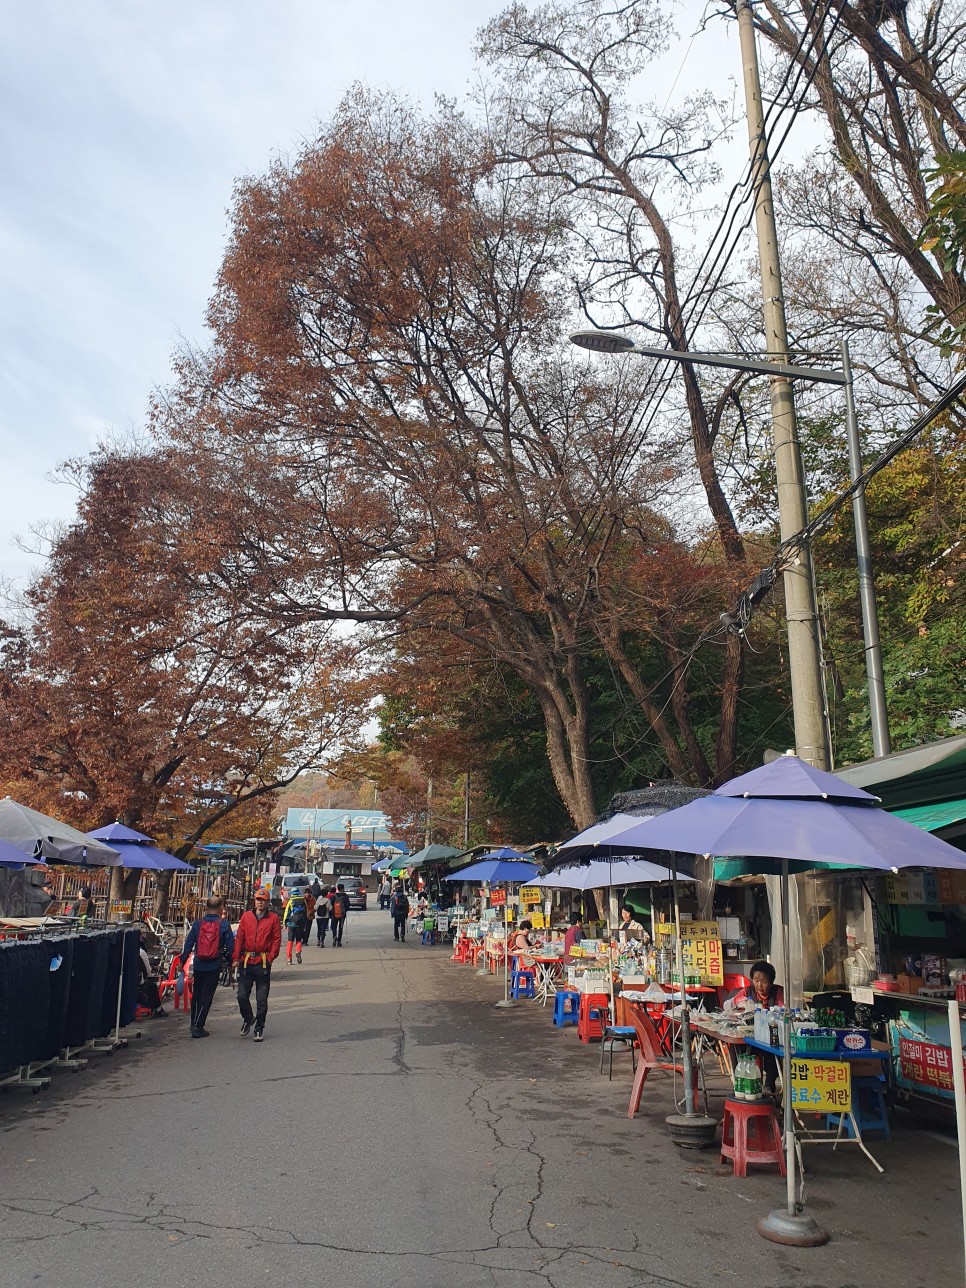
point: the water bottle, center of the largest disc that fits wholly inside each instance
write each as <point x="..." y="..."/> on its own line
<point x="753" y="1088"/>
<point x="741" y="1079"/>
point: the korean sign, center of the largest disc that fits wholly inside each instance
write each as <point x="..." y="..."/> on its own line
<point x="531" y="894"/>
<point x="700" y="949"/>
<point x="821" y="1086"/>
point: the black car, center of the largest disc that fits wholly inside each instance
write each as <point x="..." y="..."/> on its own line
<point x="356" y="890"/>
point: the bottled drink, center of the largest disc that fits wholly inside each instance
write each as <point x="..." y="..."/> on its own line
<point x="741" y="1078"/>
<point x="753" y="1086"/>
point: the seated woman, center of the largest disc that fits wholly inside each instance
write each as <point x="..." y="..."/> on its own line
<point x="762" y="991"/>
<point x="521" y="941"/>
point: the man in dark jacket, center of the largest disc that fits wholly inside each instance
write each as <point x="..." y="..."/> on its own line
<point x="208" y="939"/>
<point x="257" y="944"/>
<point x="338" y="911"/>
<point x="399" y="907"/>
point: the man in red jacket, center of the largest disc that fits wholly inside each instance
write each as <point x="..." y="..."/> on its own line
<point x="257" y="944"/>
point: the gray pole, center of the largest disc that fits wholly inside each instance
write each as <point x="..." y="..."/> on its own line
<point x="881" y="742"/>
<point x="803" y="655"/>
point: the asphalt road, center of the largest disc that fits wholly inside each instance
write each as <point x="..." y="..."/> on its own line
<point x="395" y="1129"/>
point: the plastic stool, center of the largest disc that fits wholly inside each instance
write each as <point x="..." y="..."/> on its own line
<point x="566" y="1003"/>
<point x="522" y="984"/>
<point x="754" y="1136"/>
<point x="869" y="1108"/>
<point x="593" y="1016"/>
<point x="626" y="1034"/>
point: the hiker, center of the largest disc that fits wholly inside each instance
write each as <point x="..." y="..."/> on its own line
<point x="321" y="918"/>
<point x="295" y="920"/>
<point x="399" y="907"/>
<point x="207" y="939"/>
<point x="338" y="911"/>
<point x="257" y="944"/>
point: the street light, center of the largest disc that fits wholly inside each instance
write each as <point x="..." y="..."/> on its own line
<point x="614" y="342"/>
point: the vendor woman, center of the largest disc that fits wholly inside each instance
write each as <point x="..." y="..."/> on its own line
<point x="522" y="941"/>
<point x="762" y="991"/>
<point x="631" y="927"/>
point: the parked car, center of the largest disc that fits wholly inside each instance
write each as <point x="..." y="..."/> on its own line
<point x="355" y="888"/>
<point x="280" y="888"/>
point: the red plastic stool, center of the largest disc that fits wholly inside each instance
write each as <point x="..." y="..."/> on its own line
<point x="754" y="1136"/>
<point x="593" y="1016"/>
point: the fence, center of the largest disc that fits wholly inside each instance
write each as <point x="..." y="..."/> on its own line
<point x="187" y="893"/>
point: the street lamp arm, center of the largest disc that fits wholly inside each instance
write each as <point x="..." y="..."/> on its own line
<point x="611" y="342"/>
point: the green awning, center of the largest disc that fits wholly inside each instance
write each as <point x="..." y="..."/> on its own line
<point x="933" y="817"/>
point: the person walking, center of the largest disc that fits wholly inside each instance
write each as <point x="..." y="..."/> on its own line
<point x="338" y="911"/>
<point x="208" y="938"/>
<point x="399" y="907"/>
<point x="257" y="944"/>
<point x="321" y="918"/>
<point x="295" y="920"/>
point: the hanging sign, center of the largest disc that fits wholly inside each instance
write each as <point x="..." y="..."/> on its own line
<point x="531" y="895"/>
<point x="497" y="898"/>
<point x="700" y="949"/>
<point x="821" y="1086"/>
<point x="121" y="907"/>
<point x="538" y="921"/>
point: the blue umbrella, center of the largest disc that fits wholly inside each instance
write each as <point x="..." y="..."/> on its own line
<point x="11" y="857"/>
<point x="136" y="849"/>
<point x="497" y="871"/>
<point x="789" y="815"/>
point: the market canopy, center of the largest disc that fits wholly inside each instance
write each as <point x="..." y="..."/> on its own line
<point x="429" y="854"/>
<point x="137" y="850"/>
<point x="603" y="875"/>
<point x="787" y="814"/>
<point x="497" y="871"/>
<point x="41" y="837"/>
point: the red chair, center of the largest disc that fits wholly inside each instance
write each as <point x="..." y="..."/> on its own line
<point x="731" y="985"/>
<point x="652" y="1057"/>
<point x="170" y="985"/>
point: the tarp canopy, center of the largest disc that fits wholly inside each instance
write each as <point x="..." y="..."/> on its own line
<point x="602" y="875"/>
<point x="41" y="837"/>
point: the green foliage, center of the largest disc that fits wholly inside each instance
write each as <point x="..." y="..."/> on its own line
<point x="945" y="236"/>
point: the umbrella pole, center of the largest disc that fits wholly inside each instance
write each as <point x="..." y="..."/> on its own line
<point x="959" y="1088"/>
<point x="791" y="1226"/>
<point x="506" y="1003"/>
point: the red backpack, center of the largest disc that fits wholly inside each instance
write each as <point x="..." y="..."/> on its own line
<point x="208" y="948"/>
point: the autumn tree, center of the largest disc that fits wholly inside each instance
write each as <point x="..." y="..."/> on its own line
<point x="125" y="693"/>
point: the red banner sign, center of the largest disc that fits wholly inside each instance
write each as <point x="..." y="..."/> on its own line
<point x="497" y="898"/>
<point x="926" y="1063"/>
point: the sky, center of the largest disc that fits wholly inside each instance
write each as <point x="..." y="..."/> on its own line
<point x="123" y="127"/>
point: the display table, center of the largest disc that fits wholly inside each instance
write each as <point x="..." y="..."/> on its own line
<point x="547" y="968"/>
<point x="803" y="1101"/>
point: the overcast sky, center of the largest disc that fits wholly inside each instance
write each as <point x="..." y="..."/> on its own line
<point x="123" y="125"/>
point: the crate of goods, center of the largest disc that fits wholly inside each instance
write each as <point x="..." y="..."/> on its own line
<point x="814" y="1041"/>
<point x="593" y="980"/>
<point x="854" y="1040"/>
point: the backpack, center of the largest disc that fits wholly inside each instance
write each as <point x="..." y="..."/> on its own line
<point x="208" y="947"/>
<point x="400" y="904"/>
<point x="297" y="913"/>
<point x="340" y="906"/>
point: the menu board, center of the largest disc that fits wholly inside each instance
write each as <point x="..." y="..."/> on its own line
<point x="700" y="949"/>
<point x="821" y="1086"/>
<point x="531" y="894"/>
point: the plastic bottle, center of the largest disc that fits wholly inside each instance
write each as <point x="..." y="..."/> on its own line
<point x="739" y="1092"/>
<point x="773" y="1028"/>
<point x="753" y="1086"/>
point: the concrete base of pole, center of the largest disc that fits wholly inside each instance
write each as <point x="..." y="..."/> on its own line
<point x="799" y="1231"/>
<point x="693" y="1131"/>
<point x="505" y="1003"/>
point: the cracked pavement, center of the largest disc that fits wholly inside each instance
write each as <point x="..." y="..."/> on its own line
<point x="395" y="1129"/>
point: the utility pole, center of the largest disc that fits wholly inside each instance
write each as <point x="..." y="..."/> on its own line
<point x="429" y="812"/>
<point x="804" y="664"/>
<point x="881" y="742"/>
<point x="466" y="812"/>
